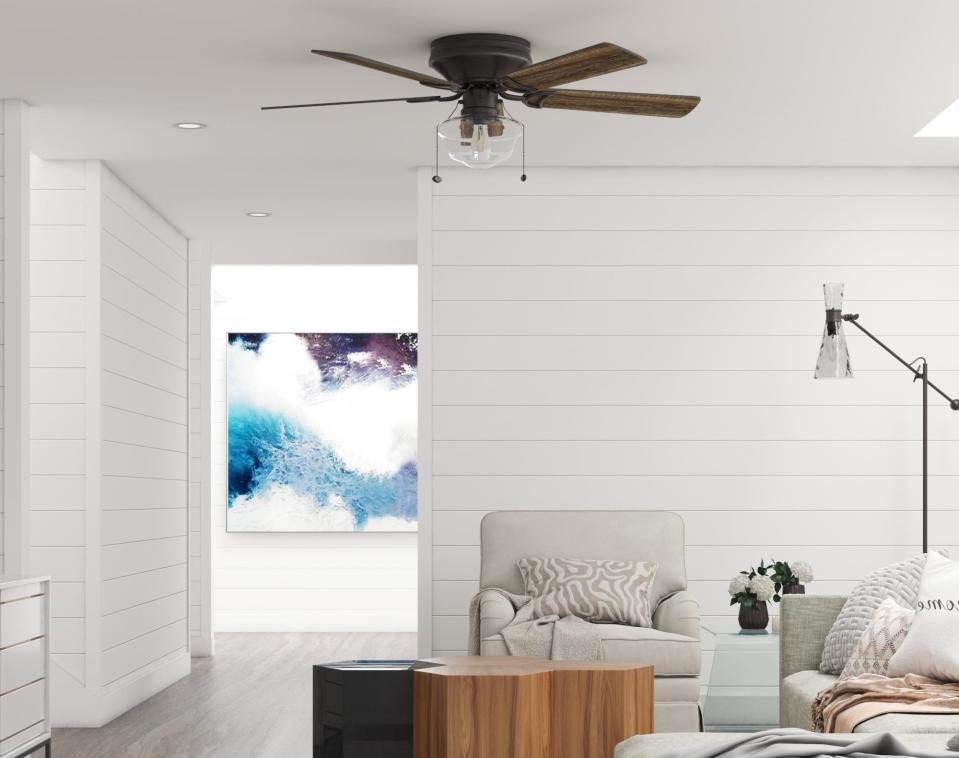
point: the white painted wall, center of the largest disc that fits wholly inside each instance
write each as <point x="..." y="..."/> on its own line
<point x="64" y="195"/>
<point x="109" y="439"/>
<point x="4" y="191"/>
<point x="14" y="392"/>
<point x="352" y="582"/>
<point x="645" y="339"/>
<point x="200" y="425"/>
<point x="144" y="415"/>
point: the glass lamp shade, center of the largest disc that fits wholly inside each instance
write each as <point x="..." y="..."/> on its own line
<point x="833" y="360"/>
<point x="479" y="144"/>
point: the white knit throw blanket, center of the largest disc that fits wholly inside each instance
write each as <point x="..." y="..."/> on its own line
<point x="549" y="637"/>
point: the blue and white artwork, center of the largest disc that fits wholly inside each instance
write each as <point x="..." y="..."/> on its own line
<point x="322" y="432"/>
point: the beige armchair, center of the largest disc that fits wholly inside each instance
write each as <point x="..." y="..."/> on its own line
<point x="671" y="646"/>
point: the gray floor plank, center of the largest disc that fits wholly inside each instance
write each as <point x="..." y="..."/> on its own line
<point x="251" y="700"/>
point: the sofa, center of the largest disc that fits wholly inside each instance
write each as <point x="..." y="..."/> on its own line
<point x="805" y="620"/>
<point x="671" y="645"/>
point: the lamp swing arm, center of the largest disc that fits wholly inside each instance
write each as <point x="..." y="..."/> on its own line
<point x="853" y="318"/>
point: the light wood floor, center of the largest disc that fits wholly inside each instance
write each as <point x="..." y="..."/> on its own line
<point x="253" y="699"/>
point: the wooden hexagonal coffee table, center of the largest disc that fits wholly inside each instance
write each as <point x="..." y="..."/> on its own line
<point x="494" y="707"/>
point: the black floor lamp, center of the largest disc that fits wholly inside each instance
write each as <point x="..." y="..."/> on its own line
<point x="834" y="363"/>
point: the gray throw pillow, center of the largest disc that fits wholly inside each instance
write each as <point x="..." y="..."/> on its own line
<point x="615" y="592"/>
<point x="899" y="582"/>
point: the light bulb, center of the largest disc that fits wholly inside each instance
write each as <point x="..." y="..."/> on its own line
<point x="481" y="144"/>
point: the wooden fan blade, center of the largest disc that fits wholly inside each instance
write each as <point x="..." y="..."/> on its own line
<point x="423" y="99"/>
<point x="630" y="103"/>
<point x="603" y="58"/>
<point x="386" y="68"/>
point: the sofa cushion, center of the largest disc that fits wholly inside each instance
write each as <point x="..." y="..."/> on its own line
<point x="796" y="695"/>
<point x="668" y="654"/>
<point x="882" y="638"/>
<point x="900" y="582"/>
<point x="912" y="723"/>
<point x="929" y="649"/>
<point x="799" y="690"/>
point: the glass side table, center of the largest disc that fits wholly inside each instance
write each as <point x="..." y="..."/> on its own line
<point x="743" y="690"/>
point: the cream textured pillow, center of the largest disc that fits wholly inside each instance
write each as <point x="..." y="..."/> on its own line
<point x="930" y="648"/>
<point x="900" y="582"/>
<point x="616" y="592"/>
<point x="882" y="638"/>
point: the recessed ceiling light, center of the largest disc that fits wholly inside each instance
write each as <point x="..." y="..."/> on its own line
<point x="946" y="124"/>
<point x="190" y="125"/>
<point x="258" y="214"/>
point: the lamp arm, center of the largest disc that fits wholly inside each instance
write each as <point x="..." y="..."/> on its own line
<point x="853" y="318"/>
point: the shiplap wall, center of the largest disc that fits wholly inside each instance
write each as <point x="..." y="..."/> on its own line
<point x="308" y="582"/>
<point x="63" y="195"/>
<point x="645" y="338"/>
<point x="144" y="458"/>
<point x="15" y="307"/>
<point x="3" y="191"/>
<point x="108" y="451"/>
<point x="200" y="522"/>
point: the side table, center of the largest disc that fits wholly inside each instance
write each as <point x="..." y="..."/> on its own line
<point x="512" y="707"/>
<point x="363" y="709"/>
<point x="743" y="690"/>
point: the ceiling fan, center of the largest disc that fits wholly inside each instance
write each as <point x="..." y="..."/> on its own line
<point x="484" y="70"/>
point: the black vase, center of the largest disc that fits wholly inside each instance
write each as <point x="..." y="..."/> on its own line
<point x="794" y="589"/>
<point x="753" y="619"/>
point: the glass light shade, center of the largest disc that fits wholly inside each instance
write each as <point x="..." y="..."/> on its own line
<point x="833" y="360"/>
<point x="479" y="144"/>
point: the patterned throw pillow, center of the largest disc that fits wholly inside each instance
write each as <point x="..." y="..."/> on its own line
<point x="882" y="638"/>
<point x="899" y="582"/>
<point x="616" y="592"/>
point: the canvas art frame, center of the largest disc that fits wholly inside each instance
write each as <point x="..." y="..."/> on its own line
<point x="321" y="431"/>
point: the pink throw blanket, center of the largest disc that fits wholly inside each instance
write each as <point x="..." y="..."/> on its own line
<point x="844" y="705"/>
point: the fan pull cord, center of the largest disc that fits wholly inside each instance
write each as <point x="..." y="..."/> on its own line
<point x="522" y="177"/>
<point x="436" y="155"/>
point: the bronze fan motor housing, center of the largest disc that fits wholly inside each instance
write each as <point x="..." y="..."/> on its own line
<point x="477" y="63"/>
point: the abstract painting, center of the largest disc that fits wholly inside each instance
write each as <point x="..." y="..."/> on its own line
<point x="321" y="432"/>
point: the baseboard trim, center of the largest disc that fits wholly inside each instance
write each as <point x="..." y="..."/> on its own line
<point x="73" y="705"/>
<point x="201" y="647"/>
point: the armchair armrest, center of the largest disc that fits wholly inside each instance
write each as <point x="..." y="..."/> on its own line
<point x="495" y="613"/>
<point x="805" y="620"/>
<point x="678" y="614"/>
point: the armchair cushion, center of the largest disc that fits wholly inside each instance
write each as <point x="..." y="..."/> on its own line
<point x="668" y="654"/>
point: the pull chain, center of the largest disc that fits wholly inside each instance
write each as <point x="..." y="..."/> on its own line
<point x="436" y="156"/>
<point x="522" y="177"/>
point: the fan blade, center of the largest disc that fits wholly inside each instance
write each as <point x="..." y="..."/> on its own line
<point x="630" y="103"/>
<point x="603" y="58"/>
<point x="424" y="99"/>
<point x="386" y="68"/>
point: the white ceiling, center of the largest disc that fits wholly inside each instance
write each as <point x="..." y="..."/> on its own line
<point x="817" y="82"/>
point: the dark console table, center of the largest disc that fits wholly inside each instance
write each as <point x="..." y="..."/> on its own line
<point x="363" y="709"/>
